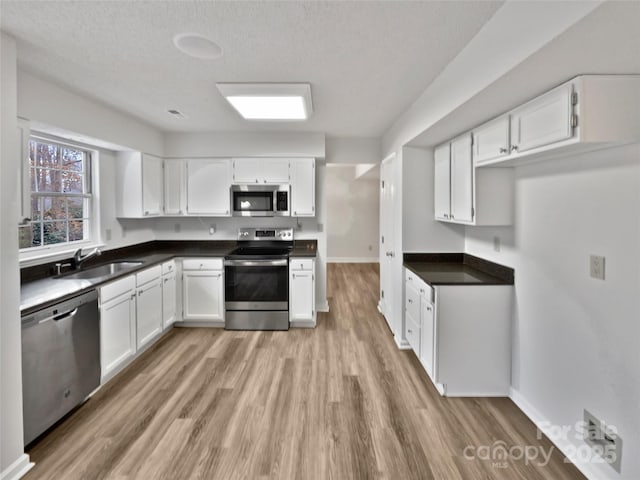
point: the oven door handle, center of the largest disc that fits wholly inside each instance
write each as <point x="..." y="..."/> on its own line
<point x="256" y="263"/>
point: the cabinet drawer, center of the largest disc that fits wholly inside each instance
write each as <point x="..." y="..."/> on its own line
<point x="298" y="264"/>
<point x="117" y="288"/>
<point x="413" y="334"/>
<point x="410" y="277"/>
<point x="412" y="301"/>
<point x="148" y="275"/>
<point x="426" y="292"/>
<point x="202" y="264"/>
<point x="168" y="267"/>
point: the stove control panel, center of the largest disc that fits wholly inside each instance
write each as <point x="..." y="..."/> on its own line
<point x="272" y="234"/>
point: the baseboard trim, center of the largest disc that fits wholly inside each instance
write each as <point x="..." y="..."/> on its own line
<point x="353" y="260"/>
<point x="195" y="323"/>
<point x="18" y="468"/>
<point x="323" y="307"/>
<point x="565" y="446"/>
<point x="402" y="343"/>
<point x="302" y="324"/>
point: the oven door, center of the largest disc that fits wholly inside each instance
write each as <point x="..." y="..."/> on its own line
<point x="256" y="285"/>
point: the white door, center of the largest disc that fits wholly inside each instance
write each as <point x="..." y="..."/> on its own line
<point x="462" y="180"/>
<point x="208" y="187"/>
<point x="174" y="187"/>
<point x="427" y="343"/>
<point x="152" y="183"/>
<point x="442" y="182"/>
<point x="544" y="120"/>
<point x="203" y="295"/>
<point x="491" y="140"/>
<point x="168" y="300"/>
<point x="387" y="192"/>
<point x="303" y="187"/>
<point x="117" y="331"/>
<point x="301" y="304"/>
<point x="149" y="311"/>
<point x="275" y="170"/>
<point x="247" y="170"/>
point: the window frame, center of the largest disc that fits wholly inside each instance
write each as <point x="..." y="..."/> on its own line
<point x="90" y="195"/>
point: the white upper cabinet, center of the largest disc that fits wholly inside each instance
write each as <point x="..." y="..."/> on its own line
<point x="139" y="185"/>
<point x="208" y="187"/>
<point x="542" y="121"/>
<point x="586" y="113"/>
<point x="442" y="186"/>
<point x="175" y="187"/>
<point x="303" y="187"/>
<point x="255" y="170"/>
<point x="491" y="140"/>
<point x="462" y="180"/>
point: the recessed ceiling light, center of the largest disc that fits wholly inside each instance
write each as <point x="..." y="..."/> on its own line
<point x="269" y="101"/>
<point x="198" y="46"/>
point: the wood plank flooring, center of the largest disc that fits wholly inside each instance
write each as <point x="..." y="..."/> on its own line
<point x="336" y="402"/>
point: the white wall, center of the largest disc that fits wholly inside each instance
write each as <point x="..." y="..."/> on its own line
<point x="13" y="461"/>
<point x="353" y="212"/>
<point x="577" y="339"/>
<point x="352" y="150"/>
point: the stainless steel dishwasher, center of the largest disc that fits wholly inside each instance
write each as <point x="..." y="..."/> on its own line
<point x="60" y="361"/>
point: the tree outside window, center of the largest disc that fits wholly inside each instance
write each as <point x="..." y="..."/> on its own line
<point x="60" y="194"/>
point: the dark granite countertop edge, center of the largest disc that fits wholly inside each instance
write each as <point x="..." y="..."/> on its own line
<point x="493" y="273"/>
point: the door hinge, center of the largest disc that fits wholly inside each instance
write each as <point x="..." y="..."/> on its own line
<point x="574" y="98"/>
<point x="473" y="212"/>
<point x="382" y="238"/>
<point x="574" y="120"/>
<point x="382" y="293"/>
<point x="382" y="184"/>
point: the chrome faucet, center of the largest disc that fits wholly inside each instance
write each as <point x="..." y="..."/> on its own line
<point x="78" y="259"/>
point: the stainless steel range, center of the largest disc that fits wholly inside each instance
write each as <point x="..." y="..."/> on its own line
<point x="257" y="280"/>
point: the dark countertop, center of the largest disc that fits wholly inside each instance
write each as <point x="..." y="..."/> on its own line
<point x="39" y="289"/>
<point x="457" y="269"/>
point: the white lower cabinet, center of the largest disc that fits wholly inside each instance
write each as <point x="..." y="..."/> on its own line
<point x="462" y="335"/>
<point x="203" y="291"/>
<point x="302" y="310"/>
<point x="117" y="324"/>
<point x="148" y="305"/>
<point x="169" y="291"/>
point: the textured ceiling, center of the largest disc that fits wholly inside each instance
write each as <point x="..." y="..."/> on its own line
<point x="366" y="61"/>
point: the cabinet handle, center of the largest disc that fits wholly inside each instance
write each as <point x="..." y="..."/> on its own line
<point x="503" y="150"/>
<point x="256" y="180"/>
<point x="265" y="181"/>
<point x="146" y="212"/>
<point x="140" y="292"/>
<point x="452" y="216"/>
<point x="446" y="215"/>
<point x="179" y="212"/>
<point x="409" y="330"/>
<point x="421" y="290"/>
<point x="133" y="296"/>
<point x="514" y="148"/>
<point x="410" y="301"/>
<point x="227" y="212"/>
<point x="166" y="280"/>
<point x="293" y="275"/>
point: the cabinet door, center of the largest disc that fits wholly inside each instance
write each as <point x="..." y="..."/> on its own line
<point x="461" y="180"/>
<point x="303" y="187"/>
<point x="174" y="187"/>
<point x="544" y="120"/>
<point x="152" y="183"/>
<point x="247" y="170"/>
<point x="149" y="312"/>
<point x="208" y="187"/>
<point x="491" y="140"/>
<point x="412" y="333"/>
<point x="302" y="297"/>
<point x="117" y="331"/>
<point x="427" y="342"/>
<point x="203" y="295"/>
<point x="442" y="182"/>
<point x="168" y="300"/>
<point x="275" y="170"/>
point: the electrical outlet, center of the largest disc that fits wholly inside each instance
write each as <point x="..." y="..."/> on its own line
<point x="597" y="267"/>
<point x="176" y="227"/>
<point x="603" y="439"/>
<point x="212" y="229"/>
<point x="496" y="243"/>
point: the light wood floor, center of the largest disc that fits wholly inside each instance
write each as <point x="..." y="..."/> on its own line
<point x="337" y="402"/>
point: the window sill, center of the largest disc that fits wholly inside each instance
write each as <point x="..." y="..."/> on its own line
<point x="45" y="255"/>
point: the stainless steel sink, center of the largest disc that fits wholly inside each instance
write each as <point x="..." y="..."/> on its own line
<point x="102" y="270"/>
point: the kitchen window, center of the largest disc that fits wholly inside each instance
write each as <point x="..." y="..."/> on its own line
<point x="60" y="196"/>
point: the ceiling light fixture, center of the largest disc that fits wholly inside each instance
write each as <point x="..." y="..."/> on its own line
<point x="269" y="101"/>
<point x="198" y="46"/>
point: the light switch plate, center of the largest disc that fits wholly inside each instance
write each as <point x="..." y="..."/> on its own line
<point x="597" y="267"/>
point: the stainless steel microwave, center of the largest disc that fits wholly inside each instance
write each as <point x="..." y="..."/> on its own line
<point x="260" y="200"/>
